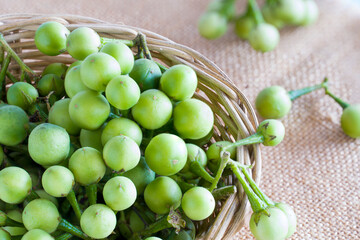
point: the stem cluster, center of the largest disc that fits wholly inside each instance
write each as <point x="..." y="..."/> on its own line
<point x="342" y="103"/>
<point x="11" y="54"/>
<point x="143" y="50"/>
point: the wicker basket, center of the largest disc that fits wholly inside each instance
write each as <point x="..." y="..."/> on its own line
<point x="234" y="115"/>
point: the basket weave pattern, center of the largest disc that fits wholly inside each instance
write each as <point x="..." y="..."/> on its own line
<point x="234" y="116"/>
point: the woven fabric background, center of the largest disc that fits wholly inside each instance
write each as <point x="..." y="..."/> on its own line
<point x="316" y="168"/>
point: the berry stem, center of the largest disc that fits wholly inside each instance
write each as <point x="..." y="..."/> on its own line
<point x="173" y="219"/>
<point x="6" y="221"/>
<point x="2" y="55"/>
<point x="149" y="215"/>
<point x="32" y="196"/>
<point x="256" y="203"/>
<point x="140" y="53"/>
<point x="157" y="226"/>
<point x="112" y="237"/>
<point x="64" y="236"/>
<point x="270" y="2"/>
<point x="39" y="111"/>
<point x="225" y="156"/>
<point x="183" y="185"/>
<point x="112" y="116"/>
<point x="4" y="68"/>
<point x="125" y="113"/>
<point x="162" y="67"/>
<point x="226" y="5"/>
<point x="140" y="41"/>
<point x="69" y="228"/>
<point x="116" y="173"/>
<point x="199" y="170"/>
<point x="13" y="54"/>
<point x="18" y="148"/>
<point x="255" y="188"/>
<point x="104" y="41"/>
<point x="140" y="214"/>
<point x="122" y="221"/>
<point x="223" y="192"/>
<point x="91" y="192"/>
<point x="17" y="237"/>
<point x="342" y="103"/>
<point x="115" y="111"/>
<point x="71" y="197"/>
<point x="11" y="77"/>
<point x="253" y="139"/>
<point x="33" y="125"/>
<point x="294" y="94"/>
<point x="65" y="207"/>
<point x="254" y="9"/>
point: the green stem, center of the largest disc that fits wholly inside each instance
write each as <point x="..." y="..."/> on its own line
<point x="115" y="111"/>
<point x="65" y="207"/>
<point x="240" y="165"/>
<point x="199" y="170"/>
<point x="71" y="197"/>
<point x="6" y="221"/>
<point x="223" y="162"/>
<point x="11" y="77"/>
<point x="91" y="192"/>
<point x="140" y="41"/>
<point x="271" y="2"/>
<point x="116" y="174"/>
<point x="162" y="67"/>
<point x="141" y="215"/>
<point x="69" y="228"/>
<point x="254" y="9"/>
<point x="223" y="7"/>
<point x="10" y="51"/>
<point x="18" y="148"/>
<point x="33" y="125"/>
<point x="112" y="237"/>
<point x="125" y="113"/>
<point x="226" y="6"/>
<point x="255" y="188"/>
<point x="294" y="94"/>
<point x="33" y="111"/>
<point x="122" y="220"/>
<point x="106" y="178"/>
<point x="2" y="55"/>
<point x="342" y="103"/>
<point x="22" y="76"/>
<point x="223" y="192"/>
<point x="4" y="68"/>
<point x="145" y="141"/>
<point x="151" y="134"/>
<point x="8" y="162"/>
<point x="140" y="54"/>
<point x="113" y="116"/>
<point x="182" y="184"/>
<point x="32" y="196"/>
<point x="104" y="41"/>
<point x="253" y="139"/>
<point x="16" y="237"/>
<point x="35" y="115"/>
<point x="256" y="203"/>
<point x="27" y="77"/>
<point x="157" y="226"/>
<point x="149" y="215"/>
<point x="64" y="236"/>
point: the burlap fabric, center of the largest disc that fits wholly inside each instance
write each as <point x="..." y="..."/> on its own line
<point x="316" y="168"/>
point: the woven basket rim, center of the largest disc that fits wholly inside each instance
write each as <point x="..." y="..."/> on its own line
<point x="236" y="205"/>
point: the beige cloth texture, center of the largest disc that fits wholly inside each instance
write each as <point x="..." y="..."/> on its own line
<point x="316" y="168"/>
